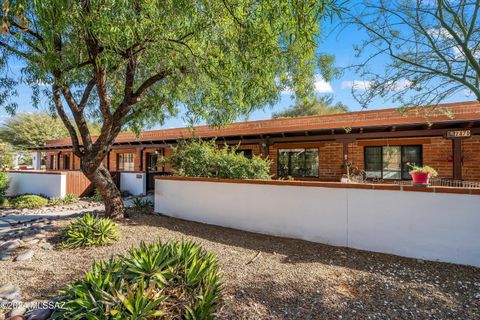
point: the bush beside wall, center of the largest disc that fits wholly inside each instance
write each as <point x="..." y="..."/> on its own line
<point x="198" y="158"/>
<point x="3" y="184"/>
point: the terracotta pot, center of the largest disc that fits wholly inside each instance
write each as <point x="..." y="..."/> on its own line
<point x="420" y="178"/>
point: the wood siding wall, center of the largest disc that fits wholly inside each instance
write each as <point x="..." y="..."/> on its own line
<point x="78" y="184"/>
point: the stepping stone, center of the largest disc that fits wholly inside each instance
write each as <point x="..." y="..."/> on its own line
<point x="9" y="245"/>
<point x="26" y="255"/>
<point x="9" y="292"/>
<point x="40" y="314"/>
<point x="5" y="256"/>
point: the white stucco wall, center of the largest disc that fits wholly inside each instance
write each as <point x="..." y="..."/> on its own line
<point x="134" y="183"/>
<point x="424" y="225"/>
<point x="50" y="185"/>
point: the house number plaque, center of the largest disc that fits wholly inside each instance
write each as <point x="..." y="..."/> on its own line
<point x="452" y="134"/>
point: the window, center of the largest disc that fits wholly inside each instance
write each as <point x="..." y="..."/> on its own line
<point x="391" y="162"/>
<point x="125" y="162"/>
<point x="247" y="153"/>
<point x="53" y="160"/>
<point x="298" y="162"/>
<point x="66" y="162"/>
<point x="152" y="162"/>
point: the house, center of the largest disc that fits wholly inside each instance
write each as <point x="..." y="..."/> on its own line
<point x="380" y="142"/>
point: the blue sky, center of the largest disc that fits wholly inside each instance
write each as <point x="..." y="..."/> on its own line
<point x="335" y="40"/>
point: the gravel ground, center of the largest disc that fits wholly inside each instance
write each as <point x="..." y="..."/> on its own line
<point x="287" y="279"/>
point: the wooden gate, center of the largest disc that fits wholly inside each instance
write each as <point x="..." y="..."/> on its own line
<point x="78" y="184"/>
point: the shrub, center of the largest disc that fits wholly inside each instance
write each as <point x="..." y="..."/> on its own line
<point x="4" y="202"/>
<point x="177" y="280"/>
<point x="54" y="201"/>
<point x="198" y="158"/>
<point x="3" y="184"/>
<point x="97" y="196"/>
<point x="29" y="201"/>
<point x="70" y="198"/>
<point x="90" y="230"/>
<point x="141" y="204"/>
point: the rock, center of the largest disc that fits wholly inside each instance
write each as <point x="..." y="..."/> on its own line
<point x="46" y="246"/>
<point x="25" y="255"/>
<point x="4" y="256"/>
<point x="9" y="245"/>
<point x="28" y="237"/>
<point x="16" y="318"/>
<point x="40" y="236"/>
<point x="420" y="261"/>
<point x="40" y="314"/>
<point x="33" y="241"/>
<point x="9" y="292"/>
<point x="19" y="311"/>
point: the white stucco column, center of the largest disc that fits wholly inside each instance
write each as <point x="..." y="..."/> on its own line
<point x="36" y="160"/>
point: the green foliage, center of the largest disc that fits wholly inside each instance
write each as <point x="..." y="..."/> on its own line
<point x="198" y="158"/>
<point x="313" y="107"/>
<point x="55" y="201"/>
<point x="90" y="230"/>
<point x="219" y="60"/>
<point x="6" y="155"/>
<point x="25" y="130"/>
<point x="4" y="202"/>
<point x="4" y="182"/>
<point x="177" y="280"/>
<point x="424" y="169"/>
<point x="97" y="196"/>
<point x="31" y="129"/>
<point x="70" y="198"/>
<point x="141" y="204"/>
<point x="29" y="201"/>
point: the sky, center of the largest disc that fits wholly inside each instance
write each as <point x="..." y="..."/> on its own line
<point x="334" y="40"/>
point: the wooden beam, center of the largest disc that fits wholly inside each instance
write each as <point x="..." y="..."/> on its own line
<point x="457" y="158"/>
<point x="359" y="136"/>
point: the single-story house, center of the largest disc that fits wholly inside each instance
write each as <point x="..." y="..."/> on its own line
<point x="380" y="142"/>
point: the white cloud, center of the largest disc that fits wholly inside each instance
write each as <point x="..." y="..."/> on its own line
<point x="363" y="85"/>
<point x="321" y="86"/>
<point x="356" y="84"/>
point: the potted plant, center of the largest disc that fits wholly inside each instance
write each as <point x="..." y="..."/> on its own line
<point x="421" y="175"/>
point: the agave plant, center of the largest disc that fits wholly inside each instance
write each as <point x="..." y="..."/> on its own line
<point x="90" y="230"/>
<point x="177" y="280"/>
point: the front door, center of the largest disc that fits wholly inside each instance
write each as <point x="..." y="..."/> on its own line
<point x="152" y="170"/>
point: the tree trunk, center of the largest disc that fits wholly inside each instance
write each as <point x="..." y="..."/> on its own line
<point x="102" y="180"/>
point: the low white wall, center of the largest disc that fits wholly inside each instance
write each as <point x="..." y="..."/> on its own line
<point x="134" y="183"/>
<point x="50" y="185"/>
<point x="431" y="226"/>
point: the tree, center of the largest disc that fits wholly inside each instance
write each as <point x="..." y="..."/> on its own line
<point x="133" y="63"/>
<point x="31" y="129"/>
<point x="433" y="47"/>
<point x="312" y="107"/>
<point x="26" y="130"/>
<point x="6" y="155"/>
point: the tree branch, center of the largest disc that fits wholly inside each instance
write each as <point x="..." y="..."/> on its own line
<point x="66" y="121"/>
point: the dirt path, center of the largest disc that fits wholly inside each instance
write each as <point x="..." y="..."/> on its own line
<point x="275" y="278"/>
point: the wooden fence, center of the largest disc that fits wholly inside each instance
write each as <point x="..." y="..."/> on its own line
<point x="78" y="184"/>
